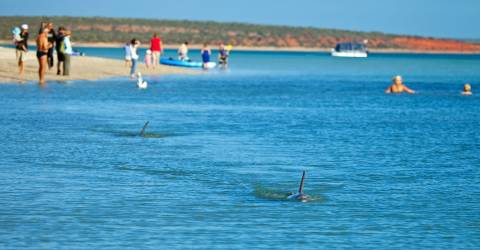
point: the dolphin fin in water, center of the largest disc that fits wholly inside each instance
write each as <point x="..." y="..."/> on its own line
<point x="142" y="132"/>
<point x="300" y="196"/>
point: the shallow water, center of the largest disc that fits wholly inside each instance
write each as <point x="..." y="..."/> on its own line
<point x="223" y="150"/>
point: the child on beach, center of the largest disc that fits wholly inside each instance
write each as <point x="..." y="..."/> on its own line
<point x="16" y="35"/>
<point x="148" y="58"/>
<point x="128" y="55"/>
<point x="398" y="87"/>
<point x="467" y="89"/>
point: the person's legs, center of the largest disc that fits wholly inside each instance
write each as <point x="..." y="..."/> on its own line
<point x="66" y="65"/>
<point x="60" y="59"/>
<point x="50" y="58"/>
<point x="20" y="58"/>
<point x="42" y="62"/>
<point x="133" y="68"/>
<point x="59" y="66"/>
<point x="156" y="58"/>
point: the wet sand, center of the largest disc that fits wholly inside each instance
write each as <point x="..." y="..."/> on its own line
<point x="82" y="68"/>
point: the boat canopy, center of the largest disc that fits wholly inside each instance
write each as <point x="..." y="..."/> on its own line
<point x="349" y="47"/>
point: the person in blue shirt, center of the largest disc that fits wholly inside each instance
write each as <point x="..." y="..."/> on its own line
<point x="206" y="52"/>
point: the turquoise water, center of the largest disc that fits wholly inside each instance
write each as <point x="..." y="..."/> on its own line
<point x="223" y="149"/>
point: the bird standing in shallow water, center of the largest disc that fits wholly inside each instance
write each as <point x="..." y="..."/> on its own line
<point x="141" y="84"/>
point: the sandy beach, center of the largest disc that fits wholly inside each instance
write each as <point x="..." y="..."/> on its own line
<point x="83" y="68"/>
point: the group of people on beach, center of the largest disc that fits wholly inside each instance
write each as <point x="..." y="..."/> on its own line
<point x="47" y="42"/>
<point x="156" y="49"/>
<point x="399" y="87"/>
<point x="152" y="55"/>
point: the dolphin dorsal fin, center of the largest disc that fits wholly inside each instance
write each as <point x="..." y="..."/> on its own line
<point x="300" y="189"/>
<point x="142" y="132"/>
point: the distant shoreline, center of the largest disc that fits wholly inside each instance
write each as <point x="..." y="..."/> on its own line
<point x="284" y="49"/>
<point x="276" y="49"/>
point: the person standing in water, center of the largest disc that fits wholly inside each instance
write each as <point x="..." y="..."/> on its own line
<point x="467" y="89"/>
<point x="156" y="48"/>
<point x="42" y="52"/>
<point x="21" y="48"/>
<point x="222" y="55"/>
<point x="51" y="40"/>
<point x="67" y="52"/>
<point x="205" y="52"/>
<point x="133" y="51"/>
<point x="183" y="52"/>
<point x="398" y="87"/>
<point x="59" y="48"/>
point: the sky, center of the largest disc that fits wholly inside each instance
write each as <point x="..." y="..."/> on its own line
<point x="436" y="18"/>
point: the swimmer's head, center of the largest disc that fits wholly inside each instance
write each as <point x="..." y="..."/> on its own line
<point x="397" y="80"/>
<point x="467" y="88"/>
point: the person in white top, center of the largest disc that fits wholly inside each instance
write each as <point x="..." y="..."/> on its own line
<point x="133" y="54"/>
<point x="183" y="52"/>
<point x="67" y="52"/>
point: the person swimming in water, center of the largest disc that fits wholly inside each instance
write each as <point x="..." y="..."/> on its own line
<point x="467" y="89"/>
<point x="398" y="87"/>
<point x="205" y="52"/>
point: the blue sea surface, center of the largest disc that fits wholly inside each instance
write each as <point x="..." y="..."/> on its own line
<point x="223" y="149"/>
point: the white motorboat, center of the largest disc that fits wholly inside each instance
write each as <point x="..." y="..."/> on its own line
<point x="352" y="49"/>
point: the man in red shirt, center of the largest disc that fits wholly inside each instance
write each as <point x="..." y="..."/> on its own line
<point x="156" y="48"/>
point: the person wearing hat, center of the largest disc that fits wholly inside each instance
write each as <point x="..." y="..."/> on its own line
<point x="398" y="87"/>
<point x="21" y="48"/>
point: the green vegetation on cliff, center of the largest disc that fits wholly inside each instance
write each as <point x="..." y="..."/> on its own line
<point x="100" y="29"/>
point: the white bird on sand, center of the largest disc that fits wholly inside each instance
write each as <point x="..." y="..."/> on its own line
<point x="140" y="82"/>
